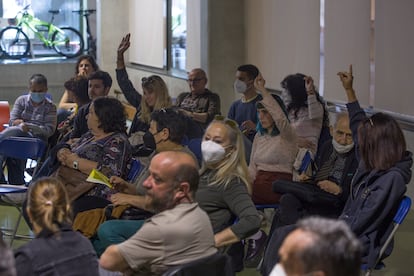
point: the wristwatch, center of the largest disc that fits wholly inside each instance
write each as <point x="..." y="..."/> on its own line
<point x="75" y="164"/>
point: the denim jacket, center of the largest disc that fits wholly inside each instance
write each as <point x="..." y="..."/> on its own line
<point x="64" y="253"/>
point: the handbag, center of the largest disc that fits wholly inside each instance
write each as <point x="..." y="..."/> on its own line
<point x="74" y="181"/>
<point x="306" y="192"/>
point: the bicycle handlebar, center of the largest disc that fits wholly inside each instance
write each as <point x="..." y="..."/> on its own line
<point x="85" y="12"/>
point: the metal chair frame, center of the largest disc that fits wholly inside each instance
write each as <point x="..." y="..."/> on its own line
<point x="20" y="148"/>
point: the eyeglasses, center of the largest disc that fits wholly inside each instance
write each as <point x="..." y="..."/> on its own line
<point x="195" y="80"/>
<point x="227" y="121"/>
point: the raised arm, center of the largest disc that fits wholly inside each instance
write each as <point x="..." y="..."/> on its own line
<point x="274" y="108"/>
<point x="347" y="82"/>
<point x="123" y="46"/>
<point x="131" y="94"/>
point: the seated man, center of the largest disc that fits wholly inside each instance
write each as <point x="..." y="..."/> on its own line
<point x="166" y="130"/>
<point x="336" y="167"/>
<point x="33" y="115"/>
<point x="200" y="104"/>
<point x="319" y="246"/>
<point x="100" y="83"/>
<point x="179" y="233"/>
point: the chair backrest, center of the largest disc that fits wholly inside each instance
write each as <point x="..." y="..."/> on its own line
<point x="195" y="146"/>
<point x="22" y="147"/>
<point x="214" y="265"/>
<point x="135" y="170"/>
<point x="399" y="217"/>
<point x="4" y="114"/>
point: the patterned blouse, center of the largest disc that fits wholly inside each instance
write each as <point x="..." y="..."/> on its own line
<point x="113" y="154"/>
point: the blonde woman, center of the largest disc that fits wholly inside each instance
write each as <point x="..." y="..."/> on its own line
<point x="223" y="191"/>
<point x="57" y="249"/>
<point x="155" y="95"/>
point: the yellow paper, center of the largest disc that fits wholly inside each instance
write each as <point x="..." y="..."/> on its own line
<point x="97" y="177"/>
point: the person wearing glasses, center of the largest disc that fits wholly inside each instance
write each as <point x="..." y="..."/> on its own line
<point x="224" y="189"/>
<point x="154" y="97"/>
<point x="273" y="153"/>
<point x="200" y="104"/>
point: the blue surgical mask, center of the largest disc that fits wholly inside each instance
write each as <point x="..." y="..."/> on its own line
<point x="37" y="97"/>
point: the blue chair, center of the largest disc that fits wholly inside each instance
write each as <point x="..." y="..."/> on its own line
<point x="195" y="146"/>
<point x="399" y="217"/>
<point x="134" y="170"/>
<point x="20" y="148"/>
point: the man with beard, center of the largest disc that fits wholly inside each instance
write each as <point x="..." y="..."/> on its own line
<point x="179" y="233"/>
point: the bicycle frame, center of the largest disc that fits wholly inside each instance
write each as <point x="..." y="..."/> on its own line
<point x="34" y="24"/>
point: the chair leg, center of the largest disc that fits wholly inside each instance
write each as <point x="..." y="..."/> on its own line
<point x="16" y="227"/>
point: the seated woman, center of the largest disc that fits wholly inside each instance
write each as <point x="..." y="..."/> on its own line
<point x="85" y="66"/>
<point x="224" y="188"/>
<point x="57" y="249"/>
<point x="378" y="185"/>
<point x="155" y="95"/>
<point x="105" y="147"/>
<point x="306" y="110"/>
<point x="273" y="153"/>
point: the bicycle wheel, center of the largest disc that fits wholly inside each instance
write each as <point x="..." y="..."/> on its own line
<point x="68" y="42"/>
<point x="14" y="43"/>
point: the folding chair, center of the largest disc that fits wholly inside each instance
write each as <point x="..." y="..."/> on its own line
<point x="4" y="114"/>
<point x="20" y="148"/>
<point x="399" y="217"/>
<point x="134" y="170"/>
<point x="195" y="146"/>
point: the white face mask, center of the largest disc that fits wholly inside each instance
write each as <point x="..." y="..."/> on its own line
<point x="240" y="86"/>
<point x="341" y="148"/>
<point x="286" y="98"/>
<point x="212" y="152"/>
<point x="278" y="270"/>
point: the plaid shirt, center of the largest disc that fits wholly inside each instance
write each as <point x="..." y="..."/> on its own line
<point x="207" y="102"/>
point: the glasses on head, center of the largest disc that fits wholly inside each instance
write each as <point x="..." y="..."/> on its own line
<point x="148" y="80"/>
<point x="227" y="121"/>
<point x="195" y="80"/>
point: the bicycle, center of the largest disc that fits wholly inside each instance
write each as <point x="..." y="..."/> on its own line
<point x="91" y="41"/>
<point x="15" y="42"/>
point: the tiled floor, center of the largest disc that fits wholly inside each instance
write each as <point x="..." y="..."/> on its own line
<point x="400" y="263"/>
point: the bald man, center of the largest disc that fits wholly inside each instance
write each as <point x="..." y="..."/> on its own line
<point x="180" y="232"/>
<point x="200" y="104"/>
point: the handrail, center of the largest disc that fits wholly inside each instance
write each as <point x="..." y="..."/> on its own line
<point x="406" y="121"/>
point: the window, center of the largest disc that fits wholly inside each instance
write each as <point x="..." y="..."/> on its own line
<point x="163" y="43"/>
<point x="178" y="34"/>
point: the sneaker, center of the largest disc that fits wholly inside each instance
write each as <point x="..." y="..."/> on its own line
<point x="254" y="251"/>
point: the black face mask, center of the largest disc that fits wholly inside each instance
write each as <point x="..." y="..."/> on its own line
<point x="149" y="140"/>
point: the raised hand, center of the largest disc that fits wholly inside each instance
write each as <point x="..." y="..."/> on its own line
<point x="124" y="45"/>
<point x="259" y="83"/>
<point x="347" y="78"/>
<point x="310" y="87"/>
